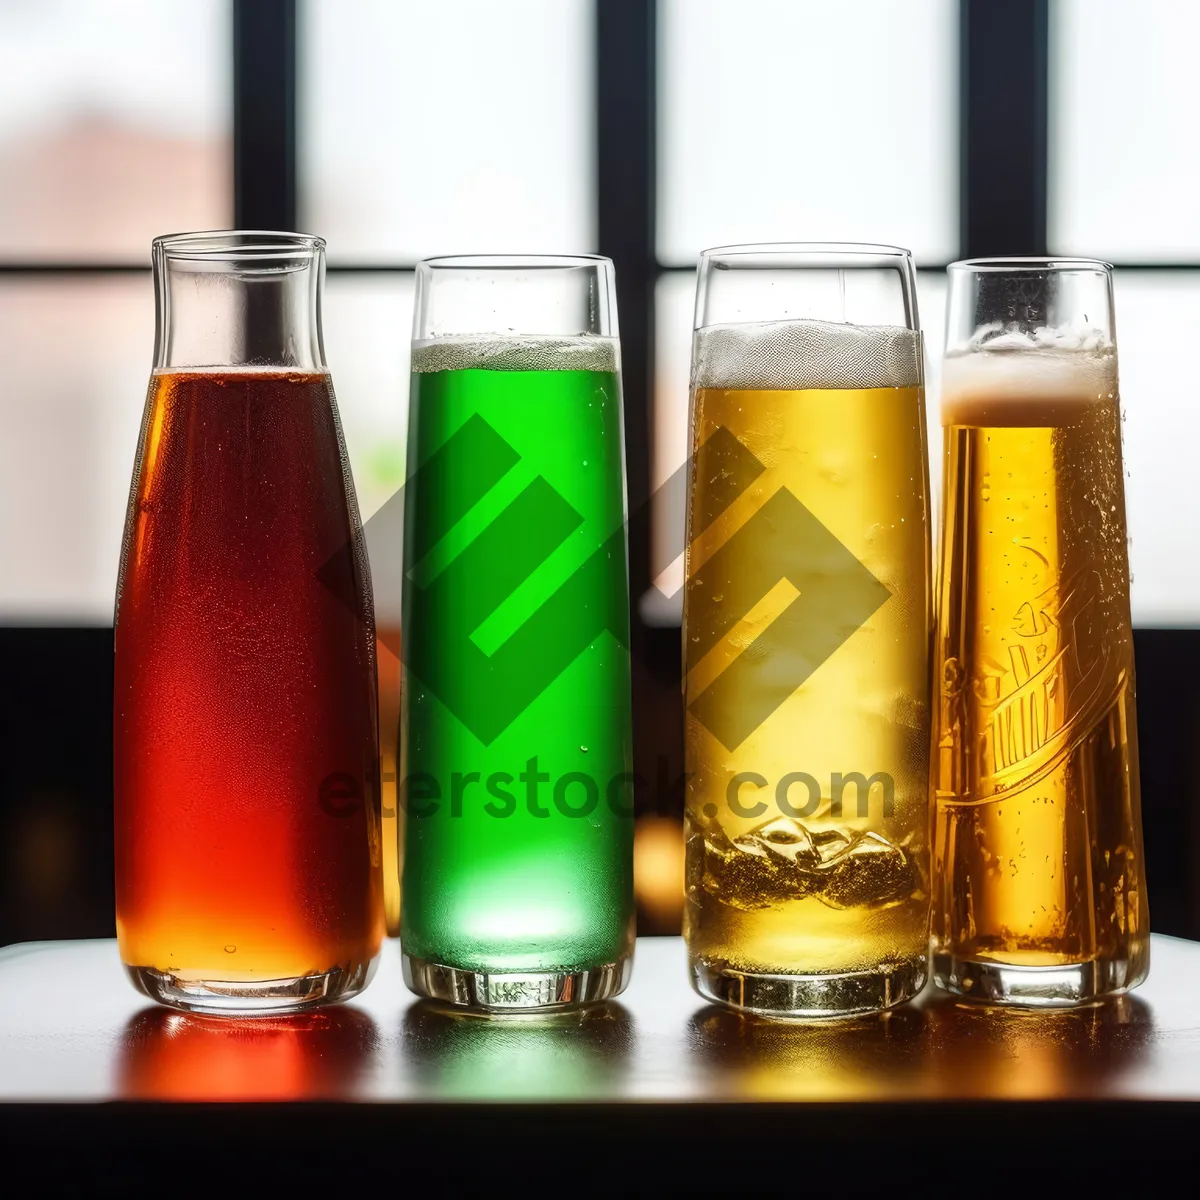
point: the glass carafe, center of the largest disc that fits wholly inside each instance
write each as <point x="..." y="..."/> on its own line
<point x="245" y="729"/>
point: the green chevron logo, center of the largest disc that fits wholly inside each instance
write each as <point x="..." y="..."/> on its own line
<point x="780" y="540"/>
<point x="783" y="540"/>
<point x="488" y="691"/>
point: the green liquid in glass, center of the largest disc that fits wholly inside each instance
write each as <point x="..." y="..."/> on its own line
<point x="516" y="738"/>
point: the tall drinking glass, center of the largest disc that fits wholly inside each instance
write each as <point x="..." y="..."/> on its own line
<point x="515" y="717"/>
<point x="1040" y="893"/>
<point x="245" y="733"/>
<point x="807" y="632"/>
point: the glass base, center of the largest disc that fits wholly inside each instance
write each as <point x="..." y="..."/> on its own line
<point x="1032" y="987"/>
<point x="516" y="991"/>
<point x="850" y="994"/>
<point x="266" y="998"/>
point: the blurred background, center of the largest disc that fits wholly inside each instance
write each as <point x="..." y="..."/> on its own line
<point x="641" y="129"/>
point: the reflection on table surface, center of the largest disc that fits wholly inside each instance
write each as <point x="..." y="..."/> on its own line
<point x="475" y="1058"/>
<point x="977" y="1051"/>
<point x="72" y="1028"/>
<point x="168" y="1055"/>
<point x="940" y="1048"/>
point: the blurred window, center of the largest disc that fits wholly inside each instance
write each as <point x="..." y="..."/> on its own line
<point x="76" y="354"/>
<point x="802" y="120"/>
<point x="115" y="126"/>
<point x="115" y="120"/>
<point x="469" y="125"/>
<point x="1124" y="167"/>
<point x="794" y="120"/>
<point x="1124" y="170"/>
<point x="674" y="304"/>
<point x="367" y="320"/>
<point x="1157" y="314"/>
<point x="456" y="127"/>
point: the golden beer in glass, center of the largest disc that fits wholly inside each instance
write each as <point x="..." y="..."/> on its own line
<point x="807" y="633"/>
<point x="1039" y="884"/>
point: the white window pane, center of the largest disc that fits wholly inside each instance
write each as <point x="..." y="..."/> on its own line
<point x="115" y="122"/>
<point x="460" y="126"/>
<point x="1160" y="397"/>
<point x="931" y="305"/>
<point x="805" y="120"/>
<point x="1124" y="155"/>
<point x="367" y="326"/>
<point x="77" y="355"/>
<point x="674" y="300"/>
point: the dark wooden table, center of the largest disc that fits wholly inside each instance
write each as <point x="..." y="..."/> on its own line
<point x="659" y="1081"/>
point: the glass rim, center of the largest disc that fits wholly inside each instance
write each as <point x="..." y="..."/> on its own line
<point x="1016" y="264"/>
<point x="222" y="244"/>
<point x="512" y="262"/>
<point x="846" y="250"/>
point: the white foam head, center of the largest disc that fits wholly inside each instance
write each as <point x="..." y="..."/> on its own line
<point x="795" y="355"/>
<point x="516" y="353"/>
<point x="1039" y="378"/>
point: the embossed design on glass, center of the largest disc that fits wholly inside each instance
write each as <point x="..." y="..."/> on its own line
<point x="245" y="729"/>
<point x="807" y="630"/>
<point x="1040" y="893"/>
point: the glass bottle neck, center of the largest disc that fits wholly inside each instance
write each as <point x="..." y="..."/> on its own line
<point x="232" y="300"/>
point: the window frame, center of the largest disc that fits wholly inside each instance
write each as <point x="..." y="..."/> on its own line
<point x="1003" y="166"/>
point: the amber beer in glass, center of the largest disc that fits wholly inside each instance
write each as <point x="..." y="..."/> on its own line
<point x="245" y="735"/>
<point x="1040" y="892"/>
<point x="807" y="632"/>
